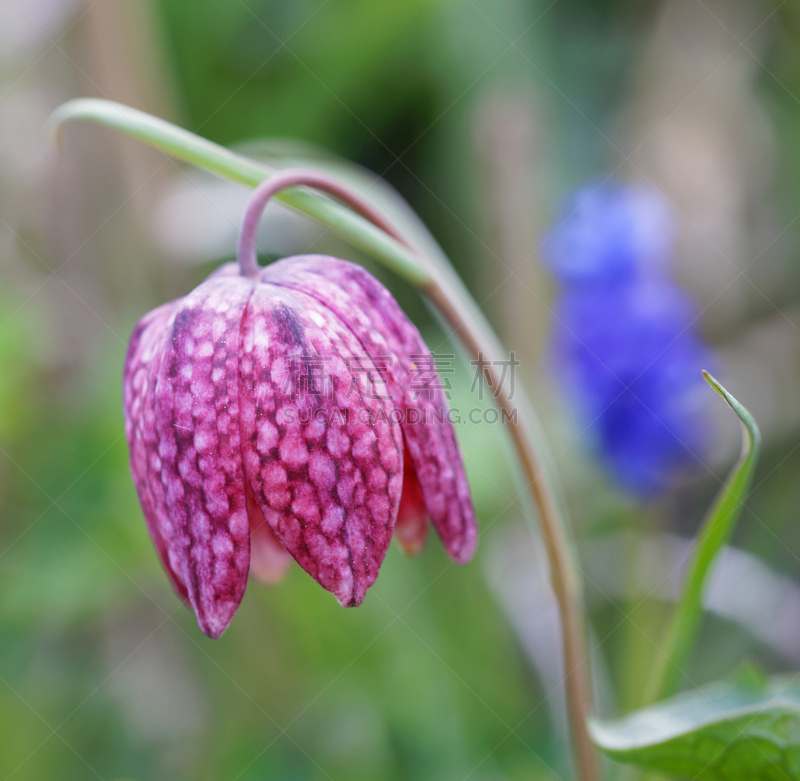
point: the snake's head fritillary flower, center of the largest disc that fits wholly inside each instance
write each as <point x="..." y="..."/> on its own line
<point x="274" y="417"/>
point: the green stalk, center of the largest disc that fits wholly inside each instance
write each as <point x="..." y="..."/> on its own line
<point x="715" y="532"/>
<point x="444" y="289"/>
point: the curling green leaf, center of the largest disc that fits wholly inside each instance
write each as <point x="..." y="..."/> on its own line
<point x="714" y="534"/>
<point x="738" y="731"/>
<point x="199" y="151"/>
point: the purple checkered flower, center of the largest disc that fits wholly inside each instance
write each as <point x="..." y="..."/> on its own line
<point x="240" y="468"/>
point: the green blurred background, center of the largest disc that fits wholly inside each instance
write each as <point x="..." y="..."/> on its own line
<point x="482" y="115"/>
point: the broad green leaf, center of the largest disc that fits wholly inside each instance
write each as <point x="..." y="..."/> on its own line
<point x="738" y="731"/>
<point x="715" y="532"/>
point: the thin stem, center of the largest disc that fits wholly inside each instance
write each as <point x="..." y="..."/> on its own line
<point x="564" y="575"/>
<point x="246" y="249"/>
<point x="564" y="580"/>
<point x="376" y="236"/>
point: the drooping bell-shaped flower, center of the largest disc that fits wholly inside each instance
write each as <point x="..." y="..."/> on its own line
<point x="275" y="415"/>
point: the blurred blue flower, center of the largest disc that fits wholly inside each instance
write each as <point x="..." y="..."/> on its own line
<point x="609" y="232"/>
<point x="624" y="339"/>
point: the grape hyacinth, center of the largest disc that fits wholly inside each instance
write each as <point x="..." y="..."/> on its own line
<point x="624" y="342"/>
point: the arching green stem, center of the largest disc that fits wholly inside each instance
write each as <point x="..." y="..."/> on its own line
<point x="442" y="287"/>
<point x="186" y="146"/>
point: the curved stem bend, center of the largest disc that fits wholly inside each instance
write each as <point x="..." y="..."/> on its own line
<point x="246" y="248"/>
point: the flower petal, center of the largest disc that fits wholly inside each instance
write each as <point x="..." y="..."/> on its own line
<point x="197" y="410"/>
<point x="324" y="461"/>
<point x="383" y="329"/>
<point x="139" y="380"/>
